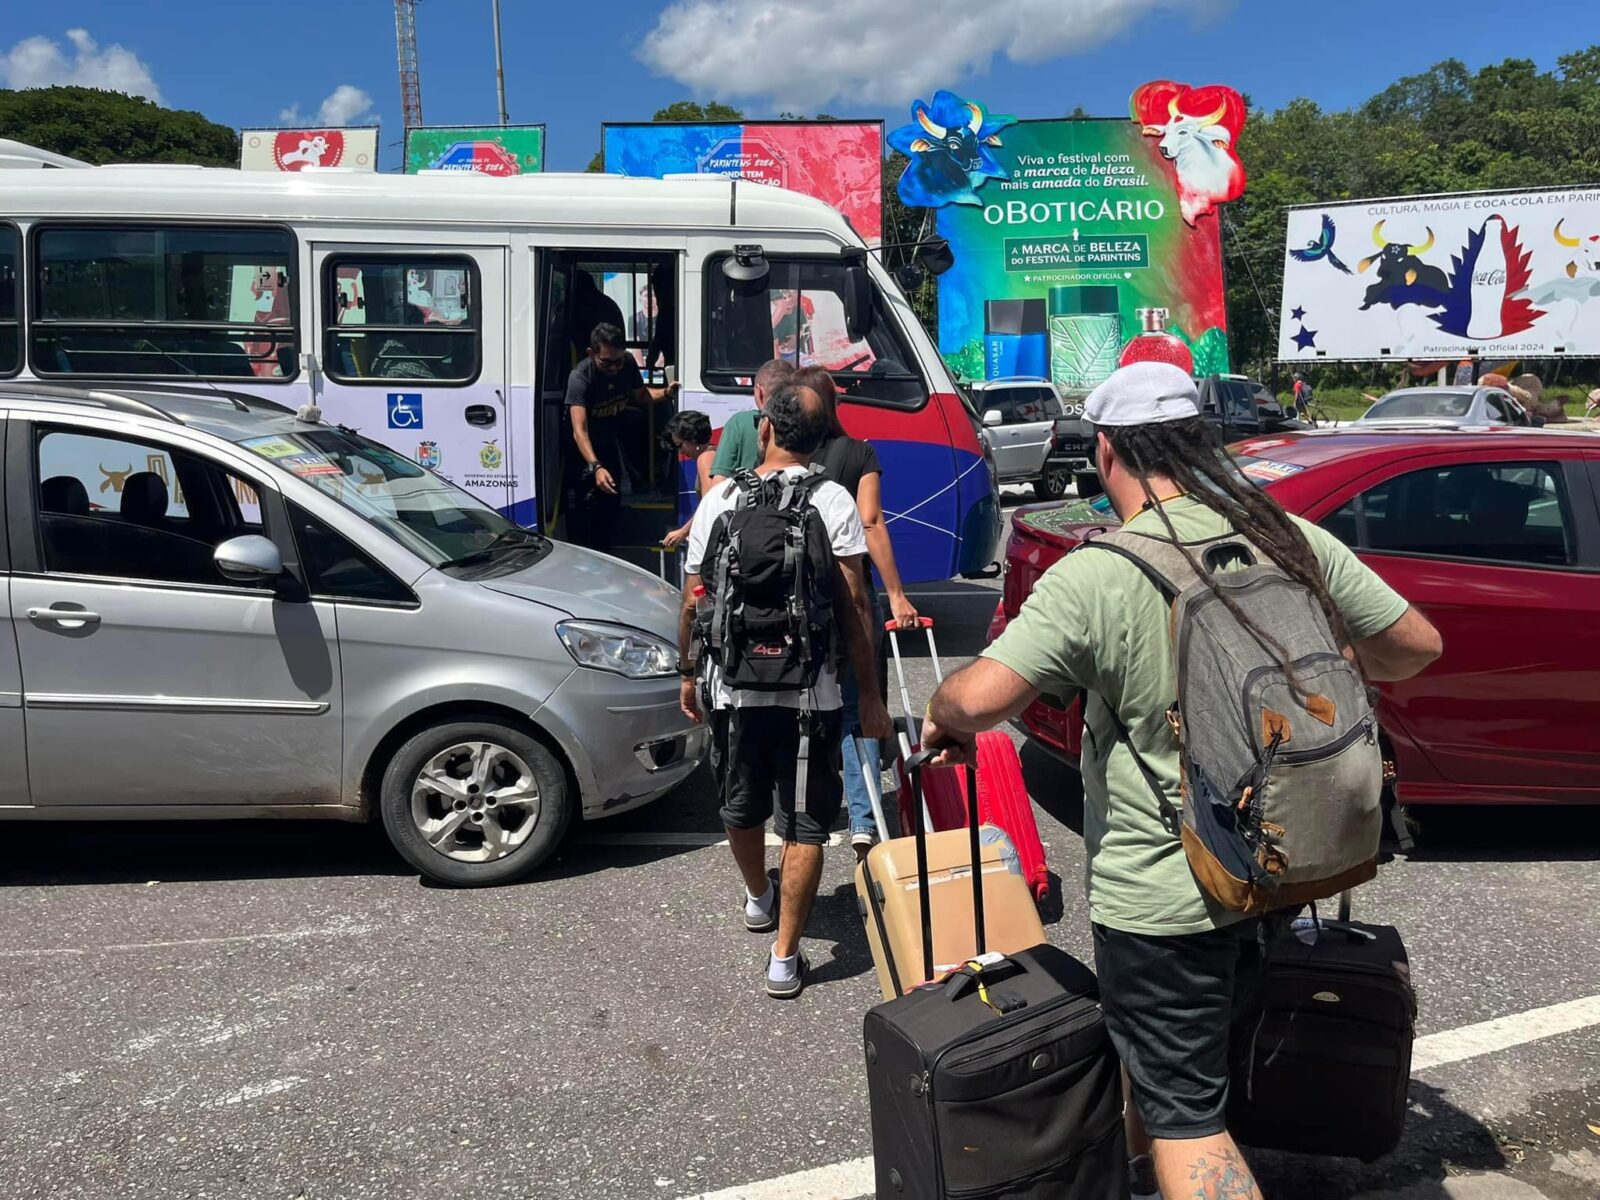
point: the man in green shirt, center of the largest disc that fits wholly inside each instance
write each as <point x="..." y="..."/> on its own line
<point x="1167" y="955"/>
<point x="737" y="448"/>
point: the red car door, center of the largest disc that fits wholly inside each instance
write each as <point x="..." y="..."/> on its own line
<point x="1500" y="547"/>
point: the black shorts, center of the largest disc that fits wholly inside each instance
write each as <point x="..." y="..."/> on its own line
<point x="755" y="757"/>
<point x="1173" y="1007"/>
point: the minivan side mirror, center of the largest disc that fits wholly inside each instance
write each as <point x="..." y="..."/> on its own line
<point x="993" y="416"/>
<point x="857" y="301"/>
<point x="248" y="559"/>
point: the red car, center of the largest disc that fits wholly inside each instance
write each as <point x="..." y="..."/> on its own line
<point x="1495" y="535"/>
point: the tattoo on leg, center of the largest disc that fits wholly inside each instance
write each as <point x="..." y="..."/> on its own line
<point x="1222" y="1176"/>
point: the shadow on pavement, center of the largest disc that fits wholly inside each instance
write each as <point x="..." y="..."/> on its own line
<point x="80" y="852"/>
<point x="1504" y="833"/>
<point x="1440" y="1140"/>
<point x="835" y="918"/>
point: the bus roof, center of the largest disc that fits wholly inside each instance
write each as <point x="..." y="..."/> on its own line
<point x="442" y="198"/>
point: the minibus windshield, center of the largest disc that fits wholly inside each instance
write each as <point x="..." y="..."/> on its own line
<point x="428" y="515"/>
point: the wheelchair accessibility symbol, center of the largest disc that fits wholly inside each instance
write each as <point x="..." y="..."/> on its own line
<point x="405" y="410"/>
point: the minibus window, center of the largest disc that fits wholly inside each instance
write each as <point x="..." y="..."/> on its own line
<point x="401" y="318"/>
<point x="798" y="313"/>
<point x="168" y="303"/>
<point x="10" y="300"/>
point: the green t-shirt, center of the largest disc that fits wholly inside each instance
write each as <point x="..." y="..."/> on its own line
<point x="1095" y="623"/>
<point x="738" y="448"/>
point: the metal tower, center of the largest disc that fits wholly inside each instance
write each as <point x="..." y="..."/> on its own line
<point x="405" y="36"/>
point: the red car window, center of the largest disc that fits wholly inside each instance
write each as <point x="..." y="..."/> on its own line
<point x="1511" y="512"/>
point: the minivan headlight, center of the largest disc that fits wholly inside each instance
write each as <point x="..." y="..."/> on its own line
<point x="618" y="649"/>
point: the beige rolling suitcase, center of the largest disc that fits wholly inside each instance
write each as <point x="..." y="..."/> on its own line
<point x="889" y="899"/>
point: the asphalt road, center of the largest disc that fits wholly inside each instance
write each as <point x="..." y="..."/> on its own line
<point x="273" y="1010"/>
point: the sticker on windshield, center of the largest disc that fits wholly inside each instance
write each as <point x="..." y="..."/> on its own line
<point x="273" y="447"/>
<point x="1265" y="470"/>
<point x="310" y="464"/>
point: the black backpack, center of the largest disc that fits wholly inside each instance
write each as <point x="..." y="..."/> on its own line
<point x="768" y="572"/>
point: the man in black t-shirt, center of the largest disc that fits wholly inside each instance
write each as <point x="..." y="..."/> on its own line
<point x="599" y="390"/>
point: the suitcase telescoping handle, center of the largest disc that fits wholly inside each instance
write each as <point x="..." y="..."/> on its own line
<point x="914" y="766"/>
<point x="911" y="735"/>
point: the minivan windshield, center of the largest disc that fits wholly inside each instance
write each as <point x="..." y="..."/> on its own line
<point x="428" y="515"/>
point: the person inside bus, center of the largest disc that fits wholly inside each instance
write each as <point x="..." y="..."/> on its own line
<point x="598" y="391"/>
<point x="853" y="465"/>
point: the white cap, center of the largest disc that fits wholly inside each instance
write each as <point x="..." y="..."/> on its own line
<point x="1144" y="393"/>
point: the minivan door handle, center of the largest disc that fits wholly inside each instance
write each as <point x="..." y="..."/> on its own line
<point x="67" y="618"/>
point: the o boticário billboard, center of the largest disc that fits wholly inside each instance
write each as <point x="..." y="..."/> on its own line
<point x="1067" y="232"/>
<point x="488" y="150"/>
<point x="1506" y="274"/>
<point x="354" y="149"/>
<point x="838" y="162"/>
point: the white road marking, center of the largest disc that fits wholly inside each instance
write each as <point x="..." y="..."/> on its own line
<point x="687" y="837"/>
<point x="257" y="1090"/>
<point x="853" y="1180"/>
<point x="343" y="929"/>
<point x="841" y="1181"/>
<point x="1502" y="1033"/>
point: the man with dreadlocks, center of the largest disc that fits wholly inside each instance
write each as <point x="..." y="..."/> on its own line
<point x="1166" y="953"/>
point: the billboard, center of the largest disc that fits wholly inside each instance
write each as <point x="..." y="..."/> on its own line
<point x="839" y="162"/>
<point x="1507" y="274"/>
<point x="354" y="149"/>
<point x="1063" y="231"/>
<point x="489" y="150"/>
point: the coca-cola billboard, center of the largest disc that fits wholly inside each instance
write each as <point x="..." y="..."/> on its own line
<point x="1501" y="274"/>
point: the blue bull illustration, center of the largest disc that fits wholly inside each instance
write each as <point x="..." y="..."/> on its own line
<point x="948" y="144"/>
<point x="1403" y="278"/>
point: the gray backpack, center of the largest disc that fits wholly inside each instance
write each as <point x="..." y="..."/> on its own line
<point x="1282" y="778"/>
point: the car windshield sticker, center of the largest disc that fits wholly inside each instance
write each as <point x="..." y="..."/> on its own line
<point x="1265" y="470"/>
<point x="310" y="464"/>
<point x="273" y="447"/>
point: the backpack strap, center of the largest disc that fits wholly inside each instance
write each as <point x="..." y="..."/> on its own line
<point x="749" y="485"/>
<point x="1125" y="736"/>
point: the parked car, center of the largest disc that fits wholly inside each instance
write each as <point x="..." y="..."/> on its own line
<point x="1495" y="535"/>
<point x="1448" y="406"/>
<point x="223" y="610"/>
<point x="1020" y="415"/>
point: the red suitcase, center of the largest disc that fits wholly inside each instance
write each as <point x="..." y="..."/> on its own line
<point x="1003" y="799"/>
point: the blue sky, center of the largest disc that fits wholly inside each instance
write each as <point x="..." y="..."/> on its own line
<point x="252" y="64"/>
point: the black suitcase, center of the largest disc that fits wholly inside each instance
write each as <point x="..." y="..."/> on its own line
<point x="998" y="1081"/>
<point x="1324" y="1065"/>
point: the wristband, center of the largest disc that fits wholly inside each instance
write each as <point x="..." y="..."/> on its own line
<point x="688" y="672"/>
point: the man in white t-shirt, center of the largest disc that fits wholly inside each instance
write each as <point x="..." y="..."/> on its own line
<point x="756" y="735"/>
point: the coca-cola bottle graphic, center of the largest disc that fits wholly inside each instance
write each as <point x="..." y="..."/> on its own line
<point x="1489" y="283"/>
<point x="1155" y="344"/>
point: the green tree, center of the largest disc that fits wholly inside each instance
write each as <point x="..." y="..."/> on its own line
<point x="682" y="110"/>
<point x="1446" y="129"/>
<point x="107" y="127"/>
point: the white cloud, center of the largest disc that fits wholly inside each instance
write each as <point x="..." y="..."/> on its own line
<point x="887" y="51"/>
<point x="345" y="105"/>
<point x="43" y="62"/>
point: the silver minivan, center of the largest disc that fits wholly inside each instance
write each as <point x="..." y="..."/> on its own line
<point x="224" y="610"/>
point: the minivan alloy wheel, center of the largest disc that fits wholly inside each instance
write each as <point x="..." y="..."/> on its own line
<point x="475" y="801"/>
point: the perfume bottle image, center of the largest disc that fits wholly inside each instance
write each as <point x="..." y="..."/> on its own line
<point x="1155" y="344"/>
<point x="1085" y="335"/>
<point x="1015" y="339"/>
